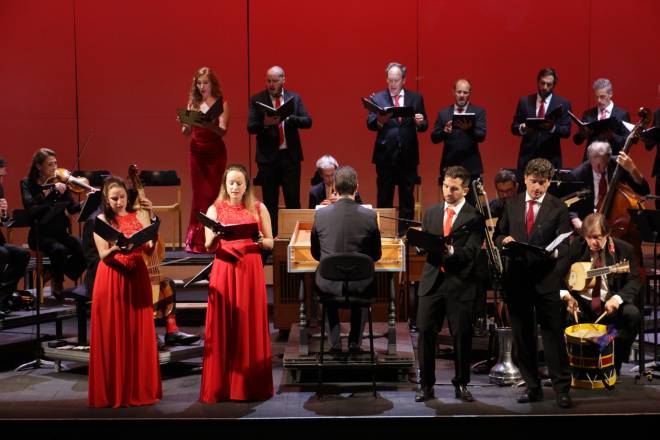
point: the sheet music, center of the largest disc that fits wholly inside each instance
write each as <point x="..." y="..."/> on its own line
<point x="557" y="241"/>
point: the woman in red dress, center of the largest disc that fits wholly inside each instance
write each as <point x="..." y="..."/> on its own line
<point x="237" y="354"/>
<point x="123" y="364"/>
<point x="208" y="155"/>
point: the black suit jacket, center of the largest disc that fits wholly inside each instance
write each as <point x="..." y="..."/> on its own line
<point x="317" y="195"/>
<point x="461" y="147"/>
<point x="626" y="285"/>
<point x="268" y="138"/>
<point x="457" y="281"/>
<point x="530" y="272"/>
<point x="541" y="143"/>
<point x="396" y="143"/>
<point x="650" y="144"/>
<point x="344" y="226"/>
<point x="584" y="173"/>
<point x="620" y="134"/>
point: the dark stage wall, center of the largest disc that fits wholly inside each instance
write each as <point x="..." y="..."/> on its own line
<point x="116" y="71"/>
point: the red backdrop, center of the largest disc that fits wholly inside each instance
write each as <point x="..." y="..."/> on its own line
<point x="115" y="72"/>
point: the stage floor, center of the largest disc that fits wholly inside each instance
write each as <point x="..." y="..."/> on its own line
<point x="44" y="394"/>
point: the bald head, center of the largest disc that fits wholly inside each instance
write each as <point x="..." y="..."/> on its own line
<point x="462" y="92"/>
<point x="275" y="81"/>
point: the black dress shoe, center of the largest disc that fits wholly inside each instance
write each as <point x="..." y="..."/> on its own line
<point x="463" y="393"/>
<point x="424" y="394"/>
<point x="531" y="395"/>
<point x="180" y="338"/>
<point x="564" y="400"/>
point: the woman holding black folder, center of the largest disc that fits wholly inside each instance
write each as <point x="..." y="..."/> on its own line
<point x="51" y="234"/>
<point x="208" y="155"/>
<point x="237" y="355"/>
<point x="123" y="364"/>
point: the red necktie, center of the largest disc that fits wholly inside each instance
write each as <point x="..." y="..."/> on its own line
<point x="595" y="292"/>
<point x="603" y="114"/>
<point x="602" y="190"/>
<point x="542" y="110"/>
<point x="460" y="109"/>
<point x="278" y="102"/>
<point x="530" y="217"/>
<point x="449" y="215"/>
<point x="396" y="104"/>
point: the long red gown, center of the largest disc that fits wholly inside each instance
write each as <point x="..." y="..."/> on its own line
<point x="208" y="160"/>
<point x="123" y="364"/>
<point x="237" y="354"/>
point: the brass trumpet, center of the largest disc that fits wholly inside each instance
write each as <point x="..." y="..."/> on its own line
<point x="75" y="184"/>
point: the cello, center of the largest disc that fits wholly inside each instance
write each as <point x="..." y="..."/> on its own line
<point x="620" y="197"/>
<point x="162" y="289"/>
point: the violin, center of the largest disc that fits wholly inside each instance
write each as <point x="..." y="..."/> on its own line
<point x="162" y="289"/>
<point x="74" y="184"/>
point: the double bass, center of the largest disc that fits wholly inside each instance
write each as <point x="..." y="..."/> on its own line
<point x="620" y="197"/>
<point x="162" y="289"/>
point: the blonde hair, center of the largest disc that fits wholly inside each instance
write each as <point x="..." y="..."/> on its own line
<point x="195" y="98"/>
<point x="249" y="199"/>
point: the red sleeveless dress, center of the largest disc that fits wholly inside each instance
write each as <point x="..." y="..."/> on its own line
<point x="123" y="364"/>
<point x="237" y="354"/>
<point x="207" y="162"/>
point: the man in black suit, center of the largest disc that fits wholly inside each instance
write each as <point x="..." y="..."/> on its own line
<point x="615" y="293"/>
<point x="651" y="142"/>
<point x="532" y="283"/>
<point x="448" y="285"/>
<point x="323" y="193"/>
<point x="345" y="226"/>
<point x="595" y="175"/>
<point x="544" y="142"/>
<point x="13" y="259"/>
<point x="506" y="186"/>
<point x="604" y="109"/>
<point x="396" y="150"/>
<point x="461" y="141"/>
<point x="279" y="150"/>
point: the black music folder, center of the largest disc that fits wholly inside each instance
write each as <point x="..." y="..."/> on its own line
<point x="397" y="112"/>
<point x="425" y="240"/>
<point x="517" y="247"/>
<point x="598" y="127"/>
<point x="230" y="232"/>
<point x="550" y="118"/>
<point x="194" y="117"/>
<point x="283" y="111"/>
<point x="464" y="117"/>
<point x="110" y="234"/>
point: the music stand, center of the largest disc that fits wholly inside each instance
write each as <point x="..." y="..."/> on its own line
<point x="648" y="224"/>
<point x="202" y="275"/>
<point x="34" y="217"/>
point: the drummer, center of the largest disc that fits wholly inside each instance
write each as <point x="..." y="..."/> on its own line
<point x="614" y="294"/>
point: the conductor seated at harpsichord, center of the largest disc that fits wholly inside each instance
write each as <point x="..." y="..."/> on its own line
<point x="345" y="226"/>
<point x="614" y="294"/>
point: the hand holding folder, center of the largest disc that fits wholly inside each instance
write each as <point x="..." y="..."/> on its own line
<point x="602" y="127"/>
<point x="547" y="122"/>
<point x="230" y="232"/>
<point x="397" y="112"/>
<point x="282" y="112"/>
<point x="112" y="235"/>
<point x="205" y="120"/>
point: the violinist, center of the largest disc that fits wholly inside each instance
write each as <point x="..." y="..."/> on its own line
<point x="595" y="175"/>
<point x="49" y="202"/>
<point x="13" y="259"/>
